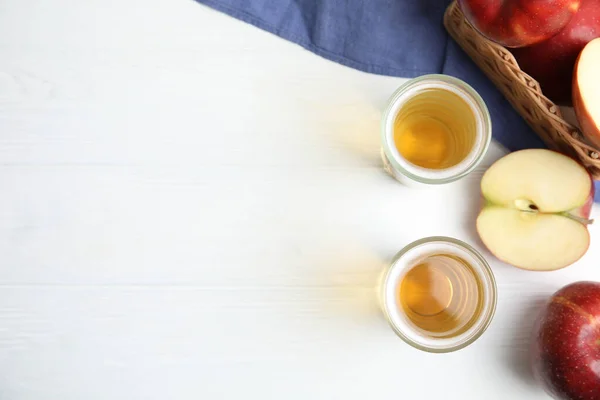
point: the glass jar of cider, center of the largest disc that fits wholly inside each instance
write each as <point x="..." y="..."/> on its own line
<point x="435" y="130"/>
<point x="438" y="294"/>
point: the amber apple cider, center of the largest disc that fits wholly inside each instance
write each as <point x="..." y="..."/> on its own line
<point x="438" y="294"/>
<point x="435" y="129"/>
<point x="441" y="295"/>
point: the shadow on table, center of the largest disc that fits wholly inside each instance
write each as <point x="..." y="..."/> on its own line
<point x="345" y="293"/>
<point x="518" y="354"/>
<point x="472" y="186"/>
<point x="353" y="286"/>
<point x="357" y="132"/>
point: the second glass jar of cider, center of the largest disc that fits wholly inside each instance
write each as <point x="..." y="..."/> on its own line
<point x="438" y="294"/>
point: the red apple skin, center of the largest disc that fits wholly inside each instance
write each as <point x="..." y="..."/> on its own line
<point x="552" y="62"/>
<point x="518" y="23"/>
<point x="566" y="343"/>
<point x="586" y="208"/>
<point x="586" y="122"/>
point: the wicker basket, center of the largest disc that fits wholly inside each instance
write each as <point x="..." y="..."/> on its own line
<point x="522" y="91"/>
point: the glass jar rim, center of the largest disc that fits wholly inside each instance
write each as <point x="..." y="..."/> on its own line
<point x="488" y="311"/>
<point x="469" y="94"/>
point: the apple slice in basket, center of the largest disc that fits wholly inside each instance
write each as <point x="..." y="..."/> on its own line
<point x="586" y="90"/>
<point x="537" y="205"/>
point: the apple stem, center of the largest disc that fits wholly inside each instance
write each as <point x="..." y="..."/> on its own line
<point x="582" y="220"/>
<point x="528" y="206"/>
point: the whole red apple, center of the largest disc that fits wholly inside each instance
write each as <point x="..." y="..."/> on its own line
<point x="566" y="345"/>
<point x="551" y="62"/>
<point x="518" y="23"/>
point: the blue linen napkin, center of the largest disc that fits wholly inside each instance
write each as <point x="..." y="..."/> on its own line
<point x="404" y="38"/>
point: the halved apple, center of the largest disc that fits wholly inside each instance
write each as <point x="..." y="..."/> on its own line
<point x="537" y="205"/>
<point x="586" y="91"/>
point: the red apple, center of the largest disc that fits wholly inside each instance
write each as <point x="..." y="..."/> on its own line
<point x="586" y="91"/>
<point x="537" y="205"/>
<point x="517" y="23"/>
<point x="566" y="343"/>
<point x="551" y="62"/>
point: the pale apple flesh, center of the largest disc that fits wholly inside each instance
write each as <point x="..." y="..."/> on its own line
<point x="532" y="240"/>
<point x="586" y="91"/>
<point x="537" y="205"/>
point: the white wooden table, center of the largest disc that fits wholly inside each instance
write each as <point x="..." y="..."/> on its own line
<point x="192" y="208"/>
